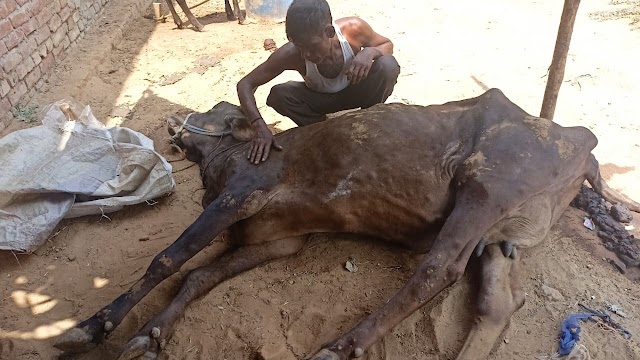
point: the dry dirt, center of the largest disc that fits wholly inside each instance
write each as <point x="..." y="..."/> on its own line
<point x="448" y="50"/>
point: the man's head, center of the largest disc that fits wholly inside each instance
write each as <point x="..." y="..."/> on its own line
<point x="309" y="27"/>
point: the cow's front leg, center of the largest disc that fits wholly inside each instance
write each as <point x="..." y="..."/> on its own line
<point x="500" y="296"/>
<point x="441" y="267"/>
<point x="154" y="335"/>
<point x="217" y="217"/>
<point x="194" y="21"/>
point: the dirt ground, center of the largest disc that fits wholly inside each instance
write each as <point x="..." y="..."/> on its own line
<point x="447" y="50"/>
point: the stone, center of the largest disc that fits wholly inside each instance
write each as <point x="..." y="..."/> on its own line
<point x="551" y="293"/>
<point x="621" y="213"/>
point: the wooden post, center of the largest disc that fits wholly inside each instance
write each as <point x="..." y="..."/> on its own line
<point x="556" y="70"/>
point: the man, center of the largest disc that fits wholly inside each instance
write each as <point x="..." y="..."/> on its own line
<point x="345" y="65"/>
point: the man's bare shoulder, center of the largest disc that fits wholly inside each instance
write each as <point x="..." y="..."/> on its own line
<point x="352" y="24"/>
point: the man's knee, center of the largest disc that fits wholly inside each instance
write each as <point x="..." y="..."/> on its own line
<point x="388" y="67"/>
<point x="277" y="98"/>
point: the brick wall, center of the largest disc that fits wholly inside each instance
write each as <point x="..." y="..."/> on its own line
<point x="34" y="36"/>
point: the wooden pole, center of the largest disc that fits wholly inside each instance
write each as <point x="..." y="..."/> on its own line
<point x="559" y="60"/>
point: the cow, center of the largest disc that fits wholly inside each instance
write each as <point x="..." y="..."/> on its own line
<point x="475" y="177"/>
<point x="231" y="14"/>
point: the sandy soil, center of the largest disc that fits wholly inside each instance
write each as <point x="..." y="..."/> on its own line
<point x="447" y="50"/>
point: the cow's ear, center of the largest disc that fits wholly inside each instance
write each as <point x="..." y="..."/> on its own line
<point x="241" y="128"/>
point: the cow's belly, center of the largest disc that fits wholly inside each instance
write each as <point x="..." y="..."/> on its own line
<point x="409" y="212"/>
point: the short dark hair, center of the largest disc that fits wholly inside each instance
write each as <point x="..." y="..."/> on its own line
<point x="306" y="18"/>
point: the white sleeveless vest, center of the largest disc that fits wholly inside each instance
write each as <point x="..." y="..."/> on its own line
<point x="315" y="81"/>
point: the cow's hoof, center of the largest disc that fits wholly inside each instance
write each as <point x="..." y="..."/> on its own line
<point x="325" y="354"/>
<point x="141" y="347"/>
<point x="246" y="21"/>
<point x="198" y="26"/>
<point x="509" y="249"/>
<point x="76" y="340"/>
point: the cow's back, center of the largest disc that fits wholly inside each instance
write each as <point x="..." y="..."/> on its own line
<point x="392" y="170"/>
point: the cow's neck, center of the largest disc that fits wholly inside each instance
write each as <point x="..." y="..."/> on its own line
<point x="215" y="153"/>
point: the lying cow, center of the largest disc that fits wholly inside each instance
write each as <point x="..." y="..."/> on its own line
<point x="231" y="14"/>
<point x="473" y="176"/>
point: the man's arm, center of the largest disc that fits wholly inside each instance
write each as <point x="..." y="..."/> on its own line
<point x="372" y="45"/>
<point x="285" y="58"/>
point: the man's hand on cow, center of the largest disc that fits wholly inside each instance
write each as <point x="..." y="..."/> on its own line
<point x="360" y="66"/>
<point x="263" y="140"/>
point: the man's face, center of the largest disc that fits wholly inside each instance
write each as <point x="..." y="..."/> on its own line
<point x="316" y="47"/>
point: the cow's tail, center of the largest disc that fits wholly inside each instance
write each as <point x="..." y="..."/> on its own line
<point x="600" y="186"/>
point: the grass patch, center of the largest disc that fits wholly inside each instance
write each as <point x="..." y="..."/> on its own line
<point x="26" y="113"/>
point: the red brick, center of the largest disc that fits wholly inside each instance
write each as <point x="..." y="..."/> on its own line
<point x="11" y="60"/>
<point x="12" y="78"/>
<point x="22" y="2"/>
<point x="42" y="51"/>
<point x="47" y="63"/>
<point x="30" y="26"/>
<point x="75" y="16"/>
<point x="74" y="32"/>
<point x="3" y="48"/>
<point x="5" y="106"/>
<point x="65" y="42"/>
<point x="44" y="15"/>
<point x="59" y="35"/>
<point x="57" y="50"/>
<point x="41" y="34"/>
<point x="25" y="66"/>
<point x="6" y="8"/>
<point x="32" y="77"/>
<point x="37" y="6"/>
<point x="32" y="46"/>
<point x="61" y="55"/>
<point x="12" y="40"/>
<point x="17" y="93"/>
<point x="19" y="17"/>
<point x="54" y="23"/>
<point x="49" y="44"/>
<point x="36" y="58"/>
<point x="65" y="13"/>
<point x="28" y="47"/>
<point x="5" y="28"/>
<point x="4" y="88"/>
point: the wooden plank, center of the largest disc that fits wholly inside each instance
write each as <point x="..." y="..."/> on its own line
<point x="559" y="60"/>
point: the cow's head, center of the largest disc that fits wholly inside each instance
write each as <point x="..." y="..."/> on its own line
<point x="204" y="130"/>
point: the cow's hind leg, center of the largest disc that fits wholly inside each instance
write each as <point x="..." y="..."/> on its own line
<point x="500" y="295"/>
<point x="152" y="337"/>
<point x="441" y="267"/>
<point x="229" y="11"/>
<point x="242" y="19"/>
<point x="174" y="14"/>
